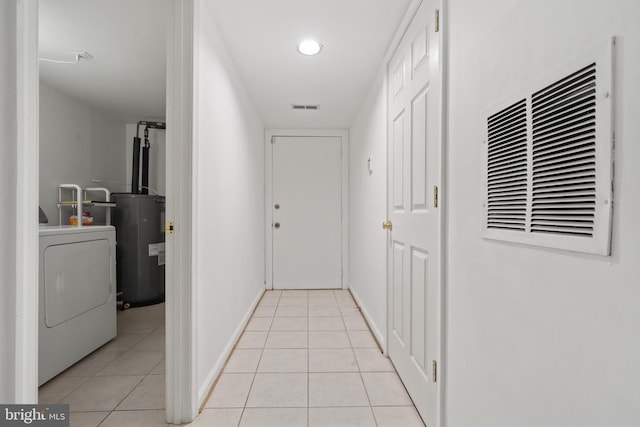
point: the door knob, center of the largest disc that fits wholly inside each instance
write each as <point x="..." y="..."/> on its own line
<point x="387" y="225"/>
<point x="276" y="225"/>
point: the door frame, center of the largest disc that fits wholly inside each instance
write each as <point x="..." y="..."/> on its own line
<point x="412" y="9"/>
<point x="181" y="401"/>
<point x="268" y="193"/>
<point x="27" y="186"/>
<point x="181" y="384"/>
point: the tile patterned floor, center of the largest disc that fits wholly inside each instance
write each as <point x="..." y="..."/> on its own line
<point x="121" y="383"/>
<point x="306" y="359"/>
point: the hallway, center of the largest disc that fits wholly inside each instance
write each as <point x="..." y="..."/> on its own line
<point x="307" y="358"/>
<point x="525" y="286"/>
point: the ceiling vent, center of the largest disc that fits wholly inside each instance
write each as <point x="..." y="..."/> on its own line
<point x="305" y="107"/>
<point x="549" y="160"/>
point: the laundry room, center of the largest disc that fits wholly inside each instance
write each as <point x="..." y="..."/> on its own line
<point x="102" y="102"/>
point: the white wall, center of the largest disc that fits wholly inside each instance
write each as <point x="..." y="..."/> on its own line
<point x="8" y="182"/>
<point x="229" y="200"/>
<point x="157" y="158"/>
<point x="367" y="206"/>
<point x="539" y="337"/>
<point x="78" y="143"/>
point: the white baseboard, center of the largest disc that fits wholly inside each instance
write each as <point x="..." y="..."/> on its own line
<point x="377" y="334"/>
<point x="215" y="372"/>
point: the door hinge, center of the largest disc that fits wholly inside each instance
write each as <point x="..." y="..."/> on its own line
<point x="435" y="371"/>
<point x="168" y="227"/>
<point x="435" y="196"/>
<point x="437" y="21"/>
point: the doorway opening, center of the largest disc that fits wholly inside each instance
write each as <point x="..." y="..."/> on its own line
<point x="98" y="82"/>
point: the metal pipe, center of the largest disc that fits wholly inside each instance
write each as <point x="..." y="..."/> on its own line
<point x="153" y="125"/>
<point x="135" y="171"/>
<point x="145" y="162"/>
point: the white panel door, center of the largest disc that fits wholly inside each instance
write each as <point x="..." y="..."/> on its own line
<point x="307" y="212"/>
<point x="414" y="241"/>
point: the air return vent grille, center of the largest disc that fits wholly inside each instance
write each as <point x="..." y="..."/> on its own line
<point x="564" y="155"/>
<point x="507" y="168"/>
<point x="548" y="157"/>
<point x="304" y="107"/>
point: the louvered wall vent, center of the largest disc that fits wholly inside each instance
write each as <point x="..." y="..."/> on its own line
<point x="304" y="107"/>
<point x="507" y="168"/>
<point x="548" y="159"/>
<point x="564" y="155"/>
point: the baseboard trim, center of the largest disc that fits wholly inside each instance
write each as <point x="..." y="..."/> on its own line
<point x="375" y="331"/>
<point x="207" y="387"/>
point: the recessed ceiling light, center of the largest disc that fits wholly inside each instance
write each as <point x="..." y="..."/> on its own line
<point x="309" y="47"/>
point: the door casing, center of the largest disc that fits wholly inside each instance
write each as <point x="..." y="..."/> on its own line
<point x="268" y="211"/>
<point x="181" y="402"/>
<point x="26" y="291"/>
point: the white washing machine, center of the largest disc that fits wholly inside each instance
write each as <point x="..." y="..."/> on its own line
<point x="77" y="294"/>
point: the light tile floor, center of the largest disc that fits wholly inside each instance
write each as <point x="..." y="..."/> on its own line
<point x="306" y="359"/>
<point x="121" y="383"/>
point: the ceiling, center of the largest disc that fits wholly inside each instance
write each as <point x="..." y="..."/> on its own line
<point x="126" y="78"/>
<point x="127" y="38"/>
<point x="262" y="37"/>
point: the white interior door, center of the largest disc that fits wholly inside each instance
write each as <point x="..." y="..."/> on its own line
<point x="414" y="241"/>
<point x="307" y="212"/>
